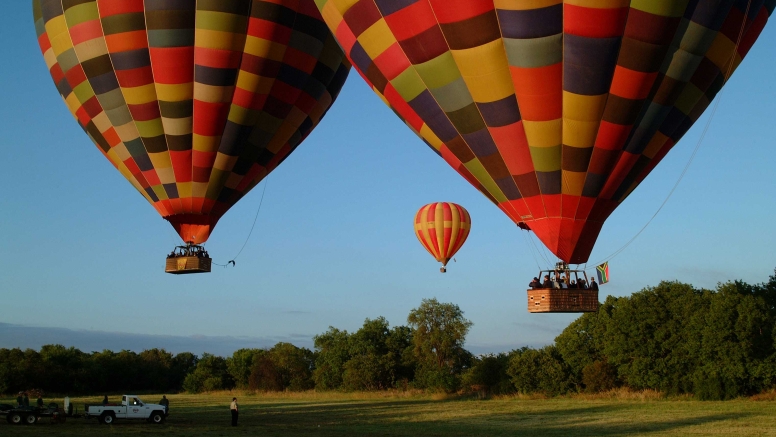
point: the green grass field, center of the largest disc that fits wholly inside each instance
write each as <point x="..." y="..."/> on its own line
<point x="398" y="414"/>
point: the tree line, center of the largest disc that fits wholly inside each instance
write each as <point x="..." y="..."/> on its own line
<point x="673" y="338"/>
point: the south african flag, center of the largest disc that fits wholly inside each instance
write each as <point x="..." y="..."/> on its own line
<point x="603" y="273"/>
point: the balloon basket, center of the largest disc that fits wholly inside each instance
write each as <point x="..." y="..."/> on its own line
<point x="442" y="269"/>
<point x="564" y="300"/>
<point x="188" y="259"/>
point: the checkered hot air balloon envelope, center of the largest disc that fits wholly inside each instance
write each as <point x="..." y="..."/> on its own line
<point x="442" y="228"/>
<point x="193" y="101"/>
<point x="555" y="110"/>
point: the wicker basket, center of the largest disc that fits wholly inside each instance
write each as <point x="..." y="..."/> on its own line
<point x="564" y="300"/>
<point x="187" y="264"/>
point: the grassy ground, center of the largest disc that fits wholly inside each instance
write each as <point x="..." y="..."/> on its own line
<point x="397" y="414"/>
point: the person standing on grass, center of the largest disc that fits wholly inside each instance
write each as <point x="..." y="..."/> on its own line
<point x="166" y="404"/>
<point x="234" y="410"/>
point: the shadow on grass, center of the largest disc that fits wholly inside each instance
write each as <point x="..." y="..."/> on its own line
<point x="460" y="418"/>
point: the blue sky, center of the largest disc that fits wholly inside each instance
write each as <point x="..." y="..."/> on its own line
<point x="333" y="244"/>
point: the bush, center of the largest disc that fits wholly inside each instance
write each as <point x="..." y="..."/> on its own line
<point x="489" y="373"/>
<point x="540" y="371"/>
<point x="599" y="376"/>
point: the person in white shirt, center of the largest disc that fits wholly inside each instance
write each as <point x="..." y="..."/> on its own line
<point x="234" y="410"/>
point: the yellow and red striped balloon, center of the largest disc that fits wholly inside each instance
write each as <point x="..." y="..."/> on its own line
<point x="442" y="228"/>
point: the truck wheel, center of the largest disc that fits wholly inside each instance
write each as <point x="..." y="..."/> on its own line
<point x="30" y="419"/>
<point x="15" y="418"/>
<point x="107" y="419"/>
<point x="157" y="417"/>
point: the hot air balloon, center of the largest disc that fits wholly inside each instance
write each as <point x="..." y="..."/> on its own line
<point x="193" y="101"/>
<point x="555" y="110"/>
<point x="442" y="228"/>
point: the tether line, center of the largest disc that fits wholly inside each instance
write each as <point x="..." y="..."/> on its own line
<point x="258" y="210"/>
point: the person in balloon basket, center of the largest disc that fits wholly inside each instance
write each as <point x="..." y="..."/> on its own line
<point x="547" y="283"/>
<point x="535" y="284"/>
<point x="234" y="409"/>
<point x="593" y="285"/>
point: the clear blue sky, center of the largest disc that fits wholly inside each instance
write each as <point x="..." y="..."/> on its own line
<point x="80" y="249"/>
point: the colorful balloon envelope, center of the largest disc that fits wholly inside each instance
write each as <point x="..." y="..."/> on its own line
<point x="193" y="101"/>
<point x="555" y="110"/>
<point x="442" y="228"/>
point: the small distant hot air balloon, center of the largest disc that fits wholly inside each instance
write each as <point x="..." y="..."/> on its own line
<point x="442" y="229"/>
<point x="555" y="110"/>
<point x="194" y="102"/>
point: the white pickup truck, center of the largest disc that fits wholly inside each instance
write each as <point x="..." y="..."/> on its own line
<point x="131" y="408"/>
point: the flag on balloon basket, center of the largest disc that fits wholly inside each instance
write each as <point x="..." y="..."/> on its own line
<point x="603" y="273"/>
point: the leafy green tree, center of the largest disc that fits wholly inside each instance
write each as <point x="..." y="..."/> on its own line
<point x="157" y="364"/>
<point x="737" y="341"/>
<point x="17" y="371"/>
<point x="333" y="352"/>
<point x="489" y="373"/>
<point x="182" y="364"/>
<point x="653" y="336"/>
<point x="581" y="343"/>
<point x="440" y="332"/>
<point x="211" y="374"/>
<point x="378" y="356"/>
<point x="240" y="364"/>
<point x="295" y="366"/>
<point x="284" y="367"/>
<point x="540" y="371"/>
<point x="265" y="375"/>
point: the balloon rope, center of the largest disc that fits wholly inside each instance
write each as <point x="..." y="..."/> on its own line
<point x="533" y="255"/>
<point x="700" y="140"/>
<point x="258" y="210"/>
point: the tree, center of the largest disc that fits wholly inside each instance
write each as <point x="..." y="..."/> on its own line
<point x="377" y="356"/>
<point x="599" y="376"/>
<point x="736" y="343"/>
<point x="581" y="343"/>
<point x="240" y="364"/>
<point x="540" y="371"/>
<point x="284" y="367"/>
<point x="332" y="353"/>
<point x="295" y="366"/>
<point x="440" y="332"/>
<point x="182" y="364"/>
<point x="211" y="374"/>
<point x="157" y="364"/>
<point x="653" y="336"/>
<point x="489" y="373"/>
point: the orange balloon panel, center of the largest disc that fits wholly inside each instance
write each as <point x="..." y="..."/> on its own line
<point x="442" y="229"/>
